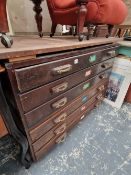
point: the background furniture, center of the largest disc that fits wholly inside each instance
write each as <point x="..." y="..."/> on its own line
<point x="121" y="31"/>
<point x="83" y="12"/>
<point x="6" y="40"/>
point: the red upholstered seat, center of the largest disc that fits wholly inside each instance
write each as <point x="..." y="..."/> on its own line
<point x="64" y="4"/>
<point x="66" y="12"/>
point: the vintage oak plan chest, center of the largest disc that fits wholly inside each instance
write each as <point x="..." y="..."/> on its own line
<point x="50" y="94"/>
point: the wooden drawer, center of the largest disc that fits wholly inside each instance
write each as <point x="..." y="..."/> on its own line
<point x="61" y="138"/>
<point x="34" y="76"/>
<point x="64" y="98"/>
<point x="60" y="117"/>
<point x="57" y="131"/>
<point x="61" y="101"/>
<point x="3" y="129"/>
<point x="50" y="91"/>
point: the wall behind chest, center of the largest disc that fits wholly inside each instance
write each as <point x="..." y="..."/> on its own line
<point x="128" y="19"/>
<point x="22" y="17"/>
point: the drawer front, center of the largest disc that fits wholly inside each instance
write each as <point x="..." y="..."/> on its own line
<point x="60" y="102"/>
<point x="52" y="90"/>
<point x="37" y="75"/>
<point x="55" y="132"/>
<point x="61" y="138"/>
<point x="61" y="116"/>
<point x="66" y="97"/>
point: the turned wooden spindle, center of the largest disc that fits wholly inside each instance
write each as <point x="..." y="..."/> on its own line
<point x="38" y="17"/>
<point x="81" y="17"/>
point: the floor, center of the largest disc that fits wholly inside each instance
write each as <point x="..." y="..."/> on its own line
<point x="99" y="145"/>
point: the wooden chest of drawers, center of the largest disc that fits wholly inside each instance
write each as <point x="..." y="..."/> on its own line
<point x="54" y="92"/>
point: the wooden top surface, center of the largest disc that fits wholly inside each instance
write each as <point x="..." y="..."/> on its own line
<point x="125" y="43"/>
<point x="30" y="46"/>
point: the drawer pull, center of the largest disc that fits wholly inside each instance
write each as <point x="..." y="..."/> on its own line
<point x="100" y="97"/>
<point x="60" y="88"/>
<point x="106" y="65"/>
<point x="111" y="53"/>
<point x="62" y="69"/>
<point x="102" y="76"/>
<point x="61" y="139"/>
<point x="60" y="103"/>
<point x="61" y="118"/>
<point x="60" y="130"/>
<point x="101" y="88"/>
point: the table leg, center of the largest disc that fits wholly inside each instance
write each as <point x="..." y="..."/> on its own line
<point x="38" y="17"/>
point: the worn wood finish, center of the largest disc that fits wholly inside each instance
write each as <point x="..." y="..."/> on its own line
<point x="58" y="87"/>
<point x="34" y="118"/>
<point x="34" y="76"/>
<point x="60" y="117"/>
<point x="3" y="129"/>
<point x="61" y="138"/>
<point x="30" y="46"/>
<point x="47" y="108"/>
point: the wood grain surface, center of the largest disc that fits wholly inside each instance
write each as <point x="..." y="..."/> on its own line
<point x="31" y="46"/>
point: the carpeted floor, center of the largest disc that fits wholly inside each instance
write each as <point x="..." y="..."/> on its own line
<point x="99" y="145"/>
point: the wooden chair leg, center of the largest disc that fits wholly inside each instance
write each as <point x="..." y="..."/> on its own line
<point x="110" y="27"/>
<point x="81" y="21"/>
<point x="53" y="29"/>
<point x="38" y="17"/>
<point x="90" y="28"/>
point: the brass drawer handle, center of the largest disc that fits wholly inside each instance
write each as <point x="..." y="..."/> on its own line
<point x="101" y="88"/>
<point x="106" y="65"/>
<point x="62" y="69"/>
<point x="59" y="103"/>
<point x="60" y="130"/>
<point x="102" y="76"/>
<point x="60" y="88"/>
<point x="61" y="118"/>
<point x="100" y="97"/>
<point x="61" y="139"/>
<point x="111" y="53"/>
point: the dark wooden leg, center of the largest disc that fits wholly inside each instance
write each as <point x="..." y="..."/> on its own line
<point x="38" y="17"/>
<point x="110" y="27"/>
<point x="90" y="28"/>
<point x="119" y="33"/>
<point x="53" y="29"/>
<point x="81" y="20"/>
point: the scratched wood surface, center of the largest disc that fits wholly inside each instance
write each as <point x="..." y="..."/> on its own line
<point x="28" y="47"/>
